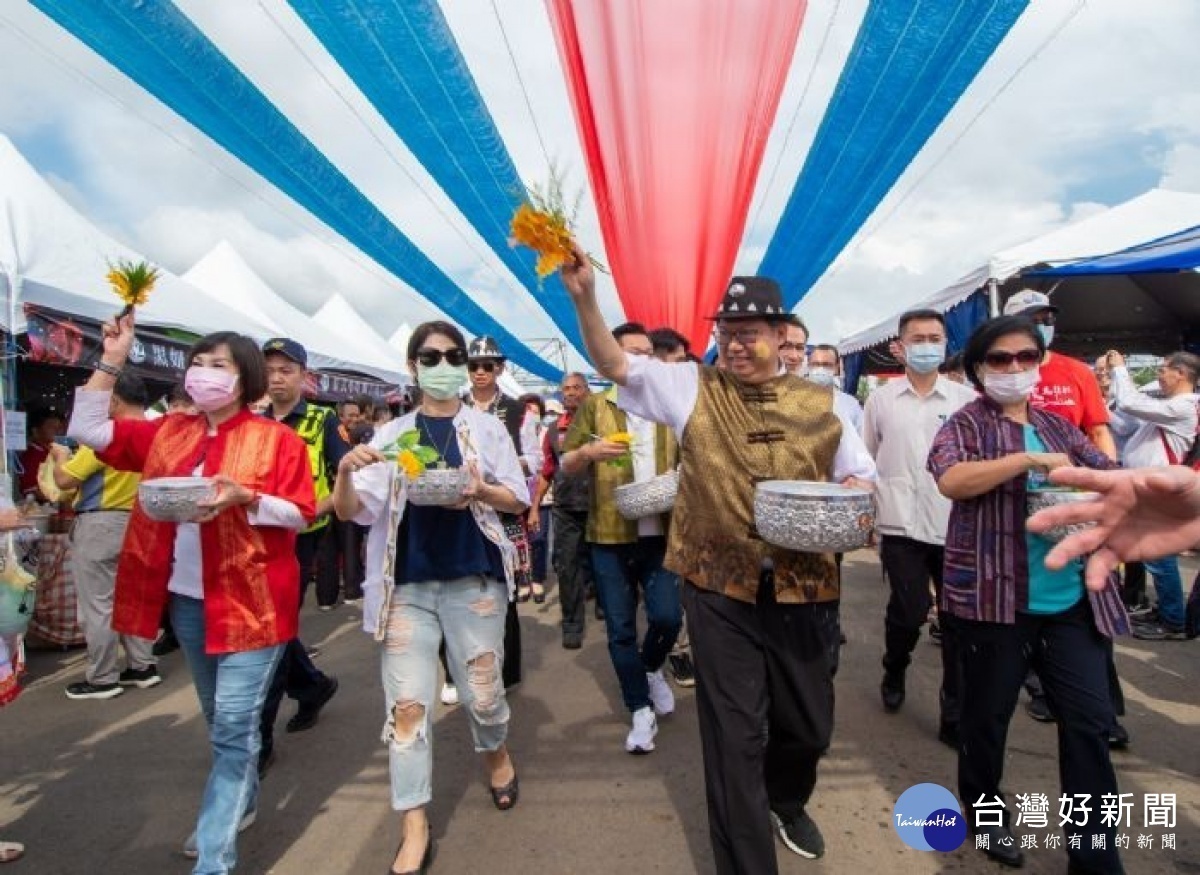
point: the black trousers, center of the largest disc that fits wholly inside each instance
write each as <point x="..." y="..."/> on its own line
<point x="1133" y="585"/>
<point x="910" y="566"/>
<point x="296" y="675"/>
<point x="1070" y="656"/>
<point x="572" y="565"/>
<point x="764" y="694"/>
<point x="340" y="562"/>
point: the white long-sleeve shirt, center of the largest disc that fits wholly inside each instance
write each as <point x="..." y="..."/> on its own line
<point x="1157" y="422"/>
<point x="667" y="392"/>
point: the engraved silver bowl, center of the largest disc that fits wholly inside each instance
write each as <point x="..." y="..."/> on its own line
<point x="813" y="517"/>
<point x="174" y="499"/>
<point x="651" y="497"/>
<point x="1040" y="499"/>
<point x="439" y="486"/>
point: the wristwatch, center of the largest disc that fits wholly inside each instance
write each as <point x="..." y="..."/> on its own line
<point x="105" y="368"/>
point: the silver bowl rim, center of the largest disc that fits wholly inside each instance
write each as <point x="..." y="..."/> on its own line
<point x="819" y="490"/>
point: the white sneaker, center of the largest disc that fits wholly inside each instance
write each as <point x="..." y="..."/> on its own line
<point x="641" y="737"/>
<point x="449" y="694"/>
<point x="192" y="851"/>
<point x="661" y="696"/>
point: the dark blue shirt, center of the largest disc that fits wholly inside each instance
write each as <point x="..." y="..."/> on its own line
<point x="439" y="543"/>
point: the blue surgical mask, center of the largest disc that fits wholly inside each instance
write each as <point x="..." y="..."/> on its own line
<point x="443" y="381"/>
<point x="1047" y="332"/>
<point x="822" y="376"/>
<point x="924" y="358"/>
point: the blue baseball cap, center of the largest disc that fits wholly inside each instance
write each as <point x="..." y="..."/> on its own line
<point x="287" y="347"/>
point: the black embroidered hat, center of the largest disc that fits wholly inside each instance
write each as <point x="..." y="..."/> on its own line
<point x="484" y="347"/>
<point x="752" y="297"/>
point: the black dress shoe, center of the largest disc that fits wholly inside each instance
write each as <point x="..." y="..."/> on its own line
<point x="1118" y="737"/>
<point x="1001" y="846"/>
<point x="1039" y="709"/>
<point x="891" y="691"/>
<point x="948" y="735"/>
<point x="572" y="640"/>
<point x="306" y="716"/>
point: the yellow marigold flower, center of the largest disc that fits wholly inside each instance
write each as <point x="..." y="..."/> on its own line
<point x="410" y="464"/>
<point x="620" y="437"/>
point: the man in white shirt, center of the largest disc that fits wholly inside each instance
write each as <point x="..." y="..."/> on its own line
<point x="618" y="448"/>
<point x="899" y="424"/>
<point x="794" y="350"/>
<point x="763" y="620"/>
<point x="825" y="369"/>
<point x="1158" y="431"/>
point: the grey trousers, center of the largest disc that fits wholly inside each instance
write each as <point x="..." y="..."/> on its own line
<point x="96" y="542"/>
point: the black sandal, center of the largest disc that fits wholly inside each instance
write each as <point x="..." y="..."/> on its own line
<point x="505" y="798"/>
<point x="522" y="594"/>
<point x="539" y="598"/>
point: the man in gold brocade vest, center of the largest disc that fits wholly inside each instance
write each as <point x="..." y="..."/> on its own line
<point x="763" y="621"/>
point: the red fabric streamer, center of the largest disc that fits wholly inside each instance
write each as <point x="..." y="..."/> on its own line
<point x="674" y="100"/>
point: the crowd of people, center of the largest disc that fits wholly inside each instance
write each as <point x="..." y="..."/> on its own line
<point x="951" y="449"/>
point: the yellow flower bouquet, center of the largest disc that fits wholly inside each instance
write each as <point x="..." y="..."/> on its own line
<point x="132" y="282"/>
<point x="546" y="224"/>
<point x="410" y="455"/>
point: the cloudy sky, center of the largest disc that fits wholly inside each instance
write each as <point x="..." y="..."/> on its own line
<point x="1084" y="106"/>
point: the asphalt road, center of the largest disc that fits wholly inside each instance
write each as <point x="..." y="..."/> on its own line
<point x="113" y="786"/>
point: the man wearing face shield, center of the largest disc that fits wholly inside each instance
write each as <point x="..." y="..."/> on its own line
<point x="899" y="424"/>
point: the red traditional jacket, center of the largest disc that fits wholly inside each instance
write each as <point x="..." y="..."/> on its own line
<point x="251" y="576"/>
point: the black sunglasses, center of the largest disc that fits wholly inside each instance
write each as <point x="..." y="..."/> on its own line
<point x="1000" y="359"/>
<point x="431" y="358"/>
<point x="486" y="367"/>
<point x="1046" y="317"/>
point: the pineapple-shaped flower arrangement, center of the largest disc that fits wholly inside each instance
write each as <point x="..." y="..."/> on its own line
<point x="132" y="282"/>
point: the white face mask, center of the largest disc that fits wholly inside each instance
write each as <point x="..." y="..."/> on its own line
<point x="1010" y="388"/>
<point x="822" y="376"/>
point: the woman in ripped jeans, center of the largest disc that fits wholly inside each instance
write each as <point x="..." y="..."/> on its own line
<point x="434" y="572"/>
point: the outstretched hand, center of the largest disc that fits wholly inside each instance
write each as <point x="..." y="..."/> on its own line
<point x="1141" y="513"/>
<point x="578" y="275"/>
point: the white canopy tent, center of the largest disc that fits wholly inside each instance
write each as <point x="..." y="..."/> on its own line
<point x="340" y="320"/>
<point x="1150" y="216"/>
<point x="224" y="273"/>
<point x="52" y="256"/>
<point x="400" y="337"/>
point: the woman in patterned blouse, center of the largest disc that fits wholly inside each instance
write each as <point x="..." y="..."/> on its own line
<point x="1010" y="609"/>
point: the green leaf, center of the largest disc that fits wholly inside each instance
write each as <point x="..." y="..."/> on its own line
<point x="426" y="455"/>
<point x="409" y="439"/>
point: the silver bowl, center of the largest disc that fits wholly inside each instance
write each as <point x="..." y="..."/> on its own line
<point x="649" y="498"/>
<point x="813" y="517"/>
<point x="1040" y="499"/>
<point x="439" y="486"/>
<point x="174" y="499"/>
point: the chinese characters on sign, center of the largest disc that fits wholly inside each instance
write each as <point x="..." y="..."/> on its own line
<point x="1115" y="811"/>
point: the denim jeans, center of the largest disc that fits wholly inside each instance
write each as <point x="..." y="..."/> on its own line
<point x="539" y="547"/>
<point x="232" y="688"/>
<point x="620" y="569"/>
<point x="1168" y="586"/>
<point x="469" y="613"/>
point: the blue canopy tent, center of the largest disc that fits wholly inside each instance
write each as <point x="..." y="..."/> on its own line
<point x="1122" y="279"/>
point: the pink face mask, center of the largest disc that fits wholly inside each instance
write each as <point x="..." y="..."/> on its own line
<point x="210" y="388"/>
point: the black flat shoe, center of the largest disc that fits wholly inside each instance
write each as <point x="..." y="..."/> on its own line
<point x="426" y="860"/>
<point x="505" y="798"/>
<point x="539" y="598"/>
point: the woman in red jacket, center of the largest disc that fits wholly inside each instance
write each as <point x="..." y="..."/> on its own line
<point x="230" y="577"/>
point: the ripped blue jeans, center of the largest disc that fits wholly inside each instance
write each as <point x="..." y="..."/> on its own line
<point x="469" y="613"/>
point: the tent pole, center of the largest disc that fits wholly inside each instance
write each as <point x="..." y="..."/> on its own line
<point x="993" y="291"/>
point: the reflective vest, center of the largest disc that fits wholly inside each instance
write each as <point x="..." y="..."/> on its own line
<point x="312" y="431"/>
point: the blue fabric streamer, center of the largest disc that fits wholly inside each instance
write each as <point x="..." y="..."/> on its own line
<point x="159" y="48"/>
<point x="1175" y="252"/>
<point x="910" y="63"/>
<point x="405" y="60"/>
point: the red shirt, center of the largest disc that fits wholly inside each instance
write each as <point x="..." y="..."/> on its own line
<point x="550" y="454"/>
<point x="1068" y="387"/>
<point x="31" y="461"/>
